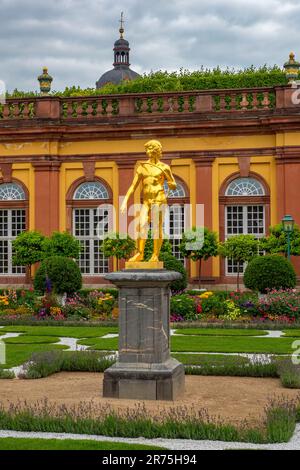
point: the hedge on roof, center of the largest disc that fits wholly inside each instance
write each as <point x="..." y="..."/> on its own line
<point x="184" y="80"/>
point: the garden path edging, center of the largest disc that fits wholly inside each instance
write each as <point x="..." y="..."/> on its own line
<point x="170" y="444"/>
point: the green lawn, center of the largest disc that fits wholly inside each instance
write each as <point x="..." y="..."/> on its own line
<point x="24" y="339"/>
<point x="209" y="359"/>
<point x="220" y="332"/>
<point x="109" y="344"/>
<point x="232" y="344"/>
<point x="294" y="333"/>
<point x="67" y="444"/>
<point x="220" y="344"/>
<point x="219" y="340"/>
<point x="17" y="354"/>
<point x="62" y="331"/>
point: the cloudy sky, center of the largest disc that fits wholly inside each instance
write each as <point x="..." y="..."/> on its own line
<point x="74" y="38"/>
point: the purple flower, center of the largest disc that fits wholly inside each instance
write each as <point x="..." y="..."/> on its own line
<point x="48" y="285"/>
<point x="42" y="312"/>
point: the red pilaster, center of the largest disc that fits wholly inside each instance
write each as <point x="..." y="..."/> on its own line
<point x="47" y="197"/>
<point x="204" y="196"/>
<point x="288" y="190"/>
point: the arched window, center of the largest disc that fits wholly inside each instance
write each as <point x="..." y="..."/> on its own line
<point x="245" y="212"/>
<point x="245" y="187"/>
<point x="93" y="191"/>
<point x="90" y="220"/>
<point x="179" y="192"/>
<point x="11" y="192"/>
<point x="12" y="223"/>
<point x="176" y="221"/>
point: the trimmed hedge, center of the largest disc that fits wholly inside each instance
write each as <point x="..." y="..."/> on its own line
<point x="184" y="80"/>
<point x="173" y="264"/>
<point x="269" y="272"/>
<point x="63" y="273"/>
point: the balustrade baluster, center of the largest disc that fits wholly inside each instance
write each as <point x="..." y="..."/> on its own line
<point x="89" y="110"/>
<point x="6" y="111"/>
<point x="244" y="103"/>
<point x="26" y="110"/>
<point x="155" y="105"/>
<point x="109" y="108"/>
<point x="69" y="109"/>
<point x="222" y="102"/>
<point x="266" y="102"/>
<point x="185" y="105"/>
<point x="255" y="101"/>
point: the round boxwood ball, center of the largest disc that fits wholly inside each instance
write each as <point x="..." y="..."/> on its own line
<point x="63" y="273"/>
<point x="269" y="272"/>
<point x="173" y="264"/>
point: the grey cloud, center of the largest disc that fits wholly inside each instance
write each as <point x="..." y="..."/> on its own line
<point x="74" y="38"/>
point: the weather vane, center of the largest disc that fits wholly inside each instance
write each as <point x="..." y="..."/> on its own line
<point x="122" y="25"/>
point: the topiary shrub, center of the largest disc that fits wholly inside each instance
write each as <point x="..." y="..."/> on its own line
<point x="63" y="274"/>
<point x="269" y="272"/>
<point x="173" y="264"/>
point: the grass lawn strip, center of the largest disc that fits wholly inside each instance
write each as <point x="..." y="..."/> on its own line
<point x="61" y="331"/>
<point x="204" y="359"/>
<point x="220" y="332"/>
<point x="219" y="344"/>
<point x="233" y="344"/>
<point x="132" y="444"/>
<point x="10" y="443"/>
<point x="24" y="339"/>
<point x="293" y="333"/>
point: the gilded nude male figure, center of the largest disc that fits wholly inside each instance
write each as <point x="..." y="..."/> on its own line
<point x="152" y="174"/>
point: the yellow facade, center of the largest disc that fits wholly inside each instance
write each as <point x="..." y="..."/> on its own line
<point x="68" y="153"/>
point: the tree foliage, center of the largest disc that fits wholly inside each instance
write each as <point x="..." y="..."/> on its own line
<point x="277" y="241"/>
<point x="61" y="244"/>
<point x="118" y="245"/>
<point x="28" y="248"/>
<point x="199" y="244"/>
<point x="184" y="80"/>
<point x="241" y="249"/>
<point x="62" y="273"/>
<point x="173" y="264"/>
<point x="148" y="252"/>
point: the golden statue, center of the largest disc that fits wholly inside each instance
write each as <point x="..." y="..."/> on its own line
<point x="152" y="174"/>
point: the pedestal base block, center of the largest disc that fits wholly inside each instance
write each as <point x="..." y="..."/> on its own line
<point x="144" y="265"/>
<point x="143" y="382"/>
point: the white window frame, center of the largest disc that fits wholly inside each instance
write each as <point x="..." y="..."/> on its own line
<point x="245" y="229"/>
<point x="91" y="238"/>
<point x="9" y="238"/>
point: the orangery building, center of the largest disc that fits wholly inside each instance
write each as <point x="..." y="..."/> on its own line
<point x="63" y="161"/>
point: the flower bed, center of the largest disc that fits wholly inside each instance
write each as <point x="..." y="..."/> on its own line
<point x="282" y="306"/>
<point x="101" y="305"/>
<point x="85" y="305"/>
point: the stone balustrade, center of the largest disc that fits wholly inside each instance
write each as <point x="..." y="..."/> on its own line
<point x="148" y="104"/>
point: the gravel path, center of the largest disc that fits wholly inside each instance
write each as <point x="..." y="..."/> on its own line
<point x="71" y="344"/>
<point x="10" y="335"/>
<point x="171" y="444"/>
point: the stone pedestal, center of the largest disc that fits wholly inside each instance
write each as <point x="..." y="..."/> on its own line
<point x="144" y="370"/>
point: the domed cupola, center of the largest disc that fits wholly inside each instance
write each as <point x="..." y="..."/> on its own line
<point x="121" y="70"/>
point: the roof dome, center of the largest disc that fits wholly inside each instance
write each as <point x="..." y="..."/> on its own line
<point x="116" y="76"/>
<point x="121" y="70"/>
<point x="121" y="42"/>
